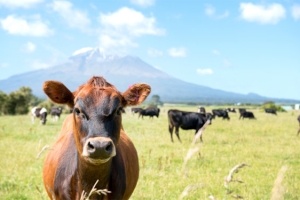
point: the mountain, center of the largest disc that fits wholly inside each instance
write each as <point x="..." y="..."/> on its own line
<point x="123" y="71"/>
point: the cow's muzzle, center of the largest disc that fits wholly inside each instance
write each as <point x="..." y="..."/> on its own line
<point x="99" y="150"/>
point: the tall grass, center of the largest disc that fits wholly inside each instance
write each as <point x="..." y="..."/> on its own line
<point x="266" y="144"/>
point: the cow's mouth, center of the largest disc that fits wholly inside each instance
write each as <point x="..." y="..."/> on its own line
<point x="99" y="150"/>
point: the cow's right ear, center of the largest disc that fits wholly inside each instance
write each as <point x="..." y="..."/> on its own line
<point x="136" y="94"/>
<point x="58" y="93"/>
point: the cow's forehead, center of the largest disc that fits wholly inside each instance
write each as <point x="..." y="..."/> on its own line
<point x="97" y="95"/>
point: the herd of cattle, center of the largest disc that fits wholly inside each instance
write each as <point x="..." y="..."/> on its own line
<point x="92" y="150"/>
<point x="41" y="113"/>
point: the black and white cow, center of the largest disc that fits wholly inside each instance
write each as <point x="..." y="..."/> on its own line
<point x="247" y="114"/>
<point x="149" y="112"/>
<point x="39" y="113"/>
<point x="186" y="121"/>
<point x="231" y="110"/>
<point x="271" y="111"/>
<point x="55" y="113"/>
<point x="201" y="109"/>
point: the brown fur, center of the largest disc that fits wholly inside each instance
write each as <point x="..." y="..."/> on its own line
<point x="66" y="173"/>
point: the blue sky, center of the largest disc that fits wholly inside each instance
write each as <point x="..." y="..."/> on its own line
<point x="238" y="46"/>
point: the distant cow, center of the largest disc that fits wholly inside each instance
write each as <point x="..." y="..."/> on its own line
<point x="271" y="111"/>
<point x="39" y="113"/>
<point x="220" y="113"/>
<point x="201" y="109"/>
<point x="242" y="110"/>
<point x="136" y="110"/>
<point x="92" y="148"/>
<point x="299" y="125"/>
<point x="186" y="121"/>
<point x="247" y="114"/>
<point x="149" y="112"/>
<point x="231" y="110"/>
<point x="55" y="113"/>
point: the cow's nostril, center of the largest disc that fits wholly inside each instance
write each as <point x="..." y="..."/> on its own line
<point x="91" y="147"/>
<point x="108" y="148"/>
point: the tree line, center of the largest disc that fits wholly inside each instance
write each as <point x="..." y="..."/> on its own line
<point x="18" y="102"/>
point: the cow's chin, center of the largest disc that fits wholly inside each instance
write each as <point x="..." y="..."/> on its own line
<point x="94" y="161"/>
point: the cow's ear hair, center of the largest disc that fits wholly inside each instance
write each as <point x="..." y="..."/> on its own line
<point x="136" y="94"/>
<point x="58" y="93"/>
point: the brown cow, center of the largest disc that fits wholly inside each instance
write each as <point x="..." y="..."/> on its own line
<point x="92" y="145"/>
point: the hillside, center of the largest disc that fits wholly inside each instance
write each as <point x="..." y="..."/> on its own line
<point x="123" y="71"/>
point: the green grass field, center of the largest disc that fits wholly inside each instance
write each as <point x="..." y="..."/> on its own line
<point x="267" y="145"/>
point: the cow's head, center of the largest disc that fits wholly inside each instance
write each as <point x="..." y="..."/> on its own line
<point x="97" y="107"/>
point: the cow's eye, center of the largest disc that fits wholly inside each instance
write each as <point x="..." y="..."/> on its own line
<point x="77" y="111"/>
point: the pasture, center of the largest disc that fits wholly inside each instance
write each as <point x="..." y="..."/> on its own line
<point x="268" y="145"/>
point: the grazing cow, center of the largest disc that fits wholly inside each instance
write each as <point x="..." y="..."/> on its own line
<point x="40" y="113"/>
<point x="149" y="112"/>
<point x="186" y="121"/>
<point x="92" y="148"/>
<point x="242" y="110"/>
<point x="247" y="114"/>
<point x="136" y="110"/>
<point x="271" y="111"/>
<point x="55" y="113"/>
<point x="201" y="109"/>
<point x="220" y="113"/>
<point x="231" y="110"/>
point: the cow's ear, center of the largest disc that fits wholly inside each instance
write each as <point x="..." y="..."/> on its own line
<point x="136" y="94"/>
<point x="58" y="93"/>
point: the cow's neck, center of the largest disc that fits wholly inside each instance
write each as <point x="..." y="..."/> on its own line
<point x="89" y="174"/>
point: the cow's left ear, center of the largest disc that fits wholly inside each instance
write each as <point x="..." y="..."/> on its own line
<point x="136" y="94"/>
<point x="58" y="93"/>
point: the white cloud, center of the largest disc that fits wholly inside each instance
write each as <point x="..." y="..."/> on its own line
<point x="211" y="12"/>
<point x="177" y="52"/>
<point x="29" y="47"/>
<point x="36" y="64"/>
<point x="120" y="28"/>
<point x="296" y="11"/>
<point x="154" y="53"/>
<point x="216" y="52"/>
<point x="4" y="65"/>
<point x="270" y="14"/>
<point x="204" y="71"/>
<point x="20" y="26"/>
<point x="143" y="3"/>
<point x="82" y="50"/>
<point x="19" y="3"/>
<point x="131" y="22"/>
<point x="73" y="17"/>
<point x="108" y="42"/>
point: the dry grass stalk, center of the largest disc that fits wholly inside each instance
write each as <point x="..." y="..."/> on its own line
<point x="278" y="189"/>
<point x="235" y="169"/>
<point x="43" y="149"/>
<point x="85" y="196"/>
<point x="187" y="189"/>
<point x="188" y="156"/>
<point x="193" y="150"/>
<point x="200" y="132"/>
